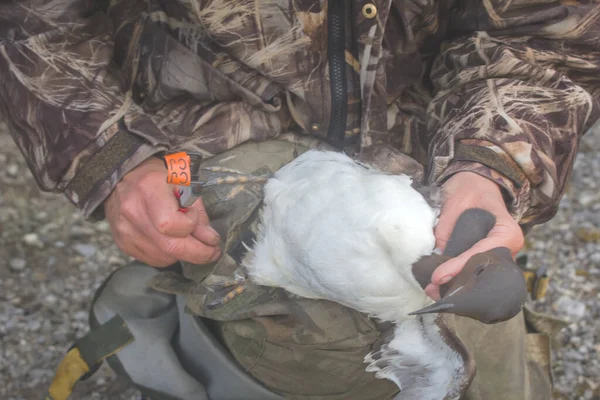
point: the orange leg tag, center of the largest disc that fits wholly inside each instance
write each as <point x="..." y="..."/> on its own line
<point x="178" y="169"/>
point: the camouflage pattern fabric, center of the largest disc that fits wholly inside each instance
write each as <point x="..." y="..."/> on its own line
<point x="502" y="88"/>
<point x="314" y="349"/>
<point x="91" y="89"/>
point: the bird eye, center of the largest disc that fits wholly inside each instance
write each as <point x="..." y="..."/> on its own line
<point x="479" y="270"/>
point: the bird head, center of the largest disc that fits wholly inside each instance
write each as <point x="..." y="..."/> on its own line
<point x="490" y="288"/>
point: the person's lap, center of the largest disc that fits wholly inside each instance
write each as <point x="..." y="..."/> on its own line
<point x="325" y="360"/>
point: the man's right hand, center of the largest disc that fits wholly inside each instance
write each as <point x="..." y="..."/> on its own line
<point x="145" y="222"/>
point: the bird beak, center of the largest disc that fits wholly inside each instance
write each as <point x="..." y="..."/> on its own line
<point x="439" y="307"/>
<point x="445" y="304"/>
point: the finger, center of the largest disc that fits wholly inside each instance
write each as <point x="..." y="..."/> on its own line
<point x="207" y="235"/>
<point x="186" y="248"/>
<point x="433" y="291"/>
<point x="162" y="209"/>
<point x="189" y="249"/>
<point x="443" y="229"/>
<point x="138" y="245"/>
<point x="203" y="231"/>
<point x="149" y="255"/>
<point x="452" y="267"/>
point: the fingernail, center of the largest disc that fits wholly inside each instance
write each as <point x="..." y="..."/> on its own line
<point x="445" y="279"/>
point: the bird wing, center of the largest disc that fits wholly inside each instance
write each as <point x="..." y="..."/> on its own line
<point x="425" y="359"/>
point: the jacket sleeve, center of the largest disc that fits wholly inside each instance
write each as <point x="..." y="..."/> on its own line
<point x="515" y="89"/>
<point x="62" y="100"/>
<point x="89" y="94"/>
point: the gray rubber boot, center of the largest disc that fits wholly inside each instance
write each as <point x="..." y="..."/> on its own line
<point x="173" y="355"/>
<point x="150" y="361"/>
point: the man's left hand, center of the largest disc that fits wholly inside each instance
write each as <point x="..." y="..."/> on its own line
<point x="469" y="190"/>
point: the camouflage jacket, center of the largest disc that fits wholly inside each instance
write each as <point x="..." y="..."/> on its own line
<point x="503" y="88"/>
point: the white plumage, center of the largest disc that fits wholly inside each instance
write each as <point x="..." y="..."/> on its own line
<point x="335" y="229"/>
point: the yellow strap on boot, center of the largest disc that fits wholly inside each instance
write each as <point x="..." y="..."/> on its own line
<point x="68" y="373"/>
<point x="537" y="285"/>
<point x="537" y="279"/>
<point x="88" y="352"/>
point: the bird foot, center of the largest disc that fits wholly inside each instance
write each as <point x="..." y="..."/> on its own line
<point x="226" y="291"/>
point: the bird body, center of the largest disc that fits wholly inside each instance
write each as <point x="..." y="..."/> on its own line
<point x="337" y="230"/>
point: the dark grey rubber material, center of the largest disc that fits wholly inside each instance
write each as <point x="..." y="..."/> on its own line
<point x="174" y="356"/>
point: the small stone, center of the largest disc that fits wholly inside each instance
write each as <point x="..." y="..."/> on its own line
<point x="47" y="228"/>
<point x="8" y="213"/>
<point x="573" y="309"/>
<point x="60" y="336"/>
<point x="41" y="216"/>
<point x="35" y="325"/>
<point x="38" y="373"/>
<point x="80" y="316"/>
<point x="80" y="231"/>
<point x="115" y="261"/>
<point x="39" y="275"/>
<point x="12" y="170"/>
<point x="595" y="258"/>
<point x="17" y="264"/>
<point x="587" y="199"/>
<point x="103" y="226"/>
<point x="573" y="355"/>
<point x="50" y="299"/>
<point x="59" y="244"/>
<point x="565" y="203"/>
<point x="51" y="262"/>
<point x="86" y="250"/>
<point x="32" y="239"/>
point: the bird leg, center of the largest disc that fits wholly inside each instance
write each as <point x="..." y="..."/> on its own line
<point x="223" y="170"/>
<point x="226" y="291"/>
<point x="218" y="176"/>
<point x="229" y="176"/>
<point x="232" y="194"/>
<point x="234" y="180"/>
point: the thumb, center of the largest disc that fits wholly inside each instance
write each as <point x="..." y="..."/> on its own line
<point x="500" y="236"/>
<point x="448" y="270"/>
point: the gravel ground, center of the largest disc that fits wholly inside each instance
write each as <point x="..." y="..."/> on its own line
<point x="51" y="262"/>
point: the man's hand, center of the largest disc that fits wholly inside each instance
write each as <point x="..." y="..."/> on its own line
<point x="463" y="191"/>
<point x="146" y="224"/>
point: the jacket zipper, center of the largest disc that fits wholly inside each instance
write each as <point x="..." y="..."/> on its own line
<point x="336" y="44"/>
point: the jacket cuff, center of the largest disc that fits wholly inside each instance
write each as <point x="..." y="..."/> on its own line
<point x="491" y="162"/>
<point x="100" y="173"/>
